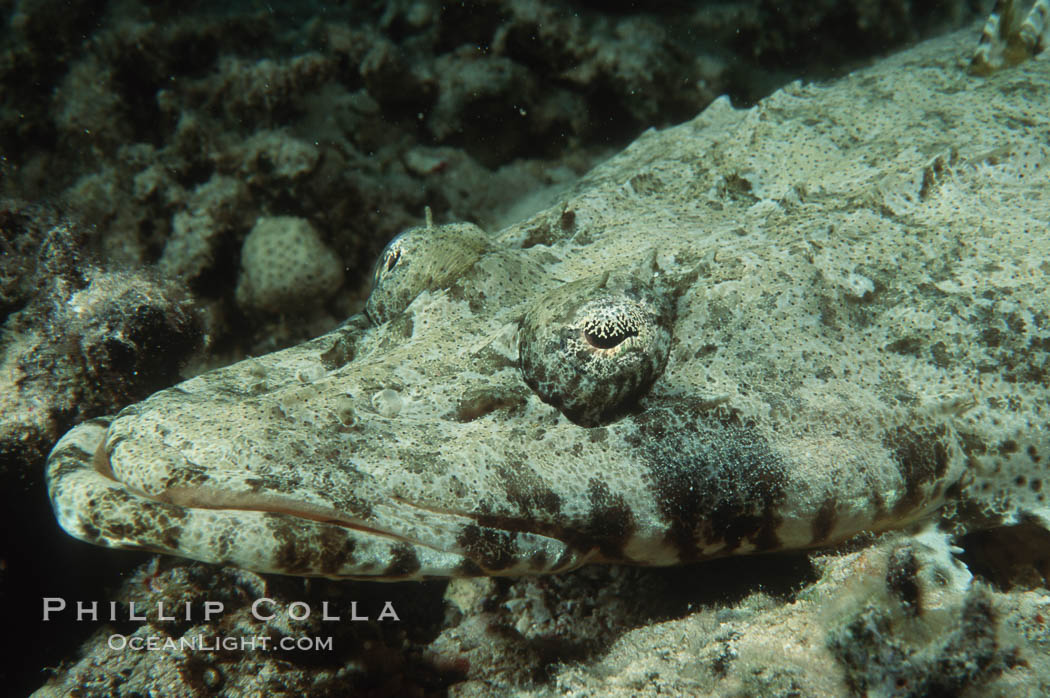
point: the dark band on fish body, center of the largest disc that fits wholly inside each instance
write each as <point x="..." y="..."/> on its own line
<point x="336" y="550"/>
<point x="824" y="522"/>
<point x="291" y="556"/>
<point x="527" y="491"/>
<point x="164" y="519"/>
<point x="66" y="461"/>
<point x="610" y="523"/>
<point x="492" y="549"/>
<point x="922" y="454"/>
<point x="716" y="481"/>
<point x="405" y="561"/>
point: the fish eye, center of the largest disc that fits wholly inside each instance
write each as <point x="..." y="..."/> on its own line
<point x="388" y="260"/>
<point x="593" y="347"/>
<point x="391" y="259"/>
<point x="420" y="259"/>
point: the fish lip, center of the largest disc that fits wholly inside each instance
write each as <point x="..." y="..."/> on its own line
<point x="210" y="498"/>
<point x="100" y="461"/>
<point x="206" y="498"/>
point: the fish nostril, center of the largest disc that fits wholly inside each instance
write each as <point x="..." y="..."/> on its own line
<point x="477" y="403"/>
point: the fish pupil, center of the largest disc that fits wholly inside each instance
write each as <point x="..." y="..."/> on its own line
<point x="609" y="340"/>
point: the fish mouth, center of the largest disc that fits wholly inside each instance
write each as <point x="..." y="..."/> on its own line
<point x="265" y="531"/>
<point x="214" y="498"/>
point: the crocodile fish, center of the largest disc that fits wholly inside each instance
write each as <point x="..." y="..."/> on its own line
<point x="763" y="329"/>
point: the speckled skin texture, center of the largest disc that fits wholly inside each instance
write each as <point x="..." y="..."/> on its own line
<point x="860" y="334"/>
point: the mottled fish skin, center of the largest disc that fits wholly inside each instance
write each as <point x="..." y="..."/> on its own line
<point x="852" y="281"/>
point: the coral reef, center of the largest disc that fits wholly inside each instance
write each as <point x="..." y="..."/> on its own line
<point x="79" y="340"/>
<point x="173" y="131"/>
<point x="285" y="265"/>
